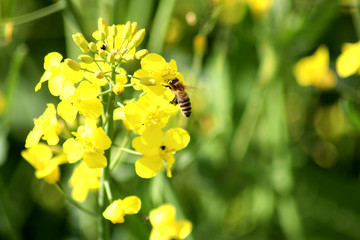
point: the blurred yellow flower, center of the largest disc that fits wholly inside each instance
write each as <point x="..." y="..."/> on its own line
<point x="155" y="149"/>
<point x="40" y="156"/>
<point x="165" y="226"/>
<point x="348" y="63"/>
<point x="116" y="211"/>
<point x="90" y="143"/>
<point x="314" y="70"/>
<point x="259" y="7"/>
<point x="2" y="103"/>
<point x="46" y="126"/>
<point x="83" y="180"/>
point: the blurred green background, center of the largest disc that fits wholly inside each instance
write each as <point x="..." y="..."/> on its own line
<point x="268" y="159"/>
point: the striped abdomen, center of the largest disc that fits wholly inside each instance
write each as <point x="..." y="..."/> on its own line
<point x="184" y="103"/>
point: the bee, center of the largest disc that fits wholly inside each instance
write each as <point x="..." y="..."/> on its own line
<point x="181" y="97"/>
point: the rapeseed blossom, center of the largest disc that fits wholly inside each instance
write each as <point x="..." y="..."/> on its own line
<point x="156" y="150"/>
<point x="348" y="63"/>
<point x="90" y="87"/>
<point x="84" y="180"/>
<point x="314" y="70"/>
<point x="40" y="156"/>
<point x="46" y="126"/>
<point x="84" y="100"/>
<point x="165" y="226"/>
<point x="59" y="76"/>
<point x="89" y="144"/>
<point x="117" y="210"/>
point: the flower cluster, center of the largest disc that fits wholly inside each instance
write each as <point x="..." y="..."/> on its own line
<point x="80" y="129"/>
<point x="315" y="71"/>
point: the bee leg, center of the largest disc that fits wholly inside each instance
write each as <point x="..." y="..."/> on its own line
<point x="168" y="86"/>
<point x="174" y="101"/>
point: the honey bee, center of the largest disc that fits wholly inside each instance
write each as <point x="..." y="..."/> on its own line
<point x="181" y="97"/>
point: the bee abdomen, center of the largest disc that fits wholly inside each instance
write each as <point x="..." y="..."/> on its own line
<point x="185" y="105"/>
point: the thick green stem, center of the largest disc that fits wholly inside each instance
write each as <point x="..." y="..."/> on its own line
<point x="104" y="192"/>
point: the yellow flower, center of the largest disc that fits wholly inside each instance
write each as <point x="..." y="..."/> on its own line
<point x="58" y="74"/>
<point x="259" y="7"/>
<point x="84" y="100"/>
<point x="165" y="225"/>
<point x="116" y="211"/>
<point x="156" y="149"/>
<point x="46" y="126"/>
<point x="90" y="143"/>
<point x="83" y="180"/>
<point x="40" y="156"/>
<point x="314" y="70"/>
<point x="149" y="110"/>
<point x="123" y="44"/>
<point x="348" y="63"/>
<point x="155" y="67"/>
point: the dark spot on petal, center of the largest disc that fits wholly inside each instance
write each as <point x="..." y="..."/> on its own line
<point x="162" y="147"/>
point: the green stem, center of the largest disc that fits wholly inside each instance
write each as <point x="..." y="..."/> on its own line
<point x="104" y="192"/>
<point x="119" y="154"/>
<point x="76" y="204"/>
<point x="356" y="20"/>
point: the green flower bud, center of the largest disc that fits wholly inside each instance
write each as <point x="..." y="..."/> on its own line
<point x="92" y="47"/>
<point x="113" y="30"/>
<point x="128" y="57"/>
<point x="100" y="75"/>
<point x="103" y="54"/>
<point x="72" y="64"/>
<point x="141" y="53"/>
<point x="102" y="36"/>
<point x="110" y="58"/>
<point x="126" y="31"/>
<point x="134" y="26"/>
<point x="81" y="42"/>
<point x="103" y="27"/>
<point x="85" y="58"/>
<point x="131" y="45"/>
<point x="139" y="37"/>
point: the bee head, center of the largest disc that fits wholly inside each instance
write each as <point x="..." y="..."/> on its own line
<point x="173" y="81"/>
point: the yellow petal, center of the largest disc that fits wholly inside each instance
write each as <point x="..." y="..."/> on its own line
<point x="348" y="63"/>
<point x="100" y="140"/>
<point x="95" y="160"/>
<point x="56" y="85"/>
<point x="67" y="111"/>
<point x="153" y="62"/>
<point x="148" y="167"/>
<point x="176" y="139"/>
<point x="131" y="205"/>
<point x="114" y="213"/>
<point x="135" y="113"/>
<point x="91" y="108"/>
<point x="152" y="136"/>
<point x="73" y="150"/>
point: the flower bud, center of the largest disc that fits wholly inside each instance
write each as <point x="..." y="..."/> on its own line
<point x="100" y="75"/>
<point x="139" y="37"/>
<point x="103" y="54"/>
<point x="128" y="57"/>
<point x="102" y="26"/>
<point x="72" y="64"/>
<point x="110" y="58"/>
<point x="131" y="45"/>
<point x="118" y="88"/>
<point x="85" y="58"/>
<point x="92" y="47"/>
<point x="81" y="42"/>
<point x="102" y="36"/>
<point x="113" y="30"/>
<point x="134" y="26"/>
<point x="141" y="53"/>
<point x="126" y="31"/>
<point x="200" y="43"/>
